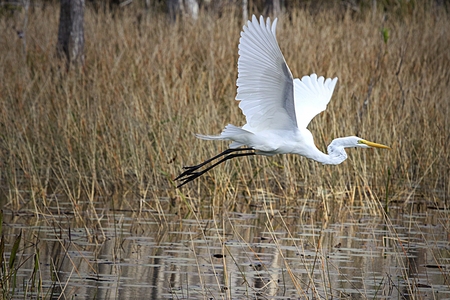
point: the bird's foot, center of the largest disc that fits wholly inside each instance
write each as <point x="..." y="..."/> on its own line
<point x="188" y="175"/>
<point x="189" y="170"/>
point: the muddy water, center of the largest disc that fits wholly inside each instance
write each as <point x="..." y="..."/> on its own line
<point x="261" y="251"/>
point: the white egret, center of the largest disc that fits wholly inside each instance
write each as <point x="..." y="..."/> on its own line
<point x="277" y="107"/>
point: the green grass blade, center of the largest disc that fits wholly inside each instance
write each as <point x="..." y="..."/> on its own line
<point x="14" y="250"/>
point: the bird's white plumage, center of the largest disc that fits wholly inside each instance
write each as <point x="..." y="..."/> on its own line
<point x="270" y="97"/>
<point x="277" y="107"/>
<point x="311" y="96"/>
<point x="264" y="80"/>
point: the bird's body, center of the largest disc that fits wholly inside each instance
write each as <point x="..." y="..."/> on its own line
<point x="270" y="141"/>
<point x="277" y="107"/>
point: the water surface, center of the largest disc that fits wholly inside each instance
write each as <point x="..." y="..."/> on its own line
<point x="257" y="250"/>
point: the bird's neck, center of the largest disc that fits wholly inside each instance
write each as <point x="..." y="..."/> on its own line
<point x="336" y="154"/>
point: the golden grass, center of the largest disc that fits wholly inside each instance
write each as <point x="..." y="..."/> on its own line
<point x="123" y="126"/>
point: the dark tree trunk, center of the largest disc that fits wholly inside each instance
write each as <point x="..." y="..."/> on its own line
<point x="71" y="31"/>
<point x="273" y="8"/>
<point x="174" y="7"/>
<point x="183" y="7"/>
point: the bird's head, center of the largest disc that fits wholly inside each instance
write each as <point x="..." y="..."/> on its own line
<point x="357" y="142"/>
<point x="362" y="143"/>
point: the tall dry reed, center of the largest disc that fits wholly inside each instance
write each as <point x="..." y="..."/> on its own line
<point x="124" y="124"/>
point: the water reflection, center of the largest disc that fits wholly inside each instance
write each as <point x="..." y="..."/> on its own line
<point x="261" y="252"/>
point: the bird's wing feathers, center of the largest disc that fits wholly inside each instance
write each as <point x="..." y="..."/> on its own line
<point x="311" y="96"/>
<point x="270" y="97"/>
<point x="265" y="83"/>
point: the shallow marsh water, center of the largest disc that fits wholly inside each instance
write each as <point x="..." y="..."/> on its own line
<point x="261" y="250"/>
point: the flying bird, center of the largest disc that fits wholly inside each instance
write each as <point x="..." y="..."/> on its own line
<point x="277" y="107"/>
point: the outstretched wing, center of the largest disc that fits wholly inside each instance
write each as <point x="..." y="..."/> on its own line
<point x="265" y="83"/>
<point x="311" y="96"/>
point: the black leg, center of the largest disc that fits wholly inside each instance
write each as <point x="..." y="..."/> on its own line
<point x="193" y="168"/>
<point x="191" y="173"/>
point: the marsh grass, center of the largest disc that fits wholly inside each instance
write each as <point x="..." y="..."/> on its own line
<point x="115" y="133"/>
<point x="125" y="122"/>
<point x="15" y="253"/>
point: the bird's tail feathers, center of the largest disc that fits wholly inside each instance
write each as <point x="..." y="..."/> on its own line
<point x="209" y="137"/>
<point x="230" y="132"/>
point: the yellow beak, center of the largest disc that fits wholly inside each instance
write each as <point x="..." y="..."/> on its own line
<point x="372" y="144"/>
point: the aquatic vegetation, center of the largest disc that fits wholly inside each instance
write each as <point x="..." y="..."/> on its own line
<point x="88" y="159"/>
